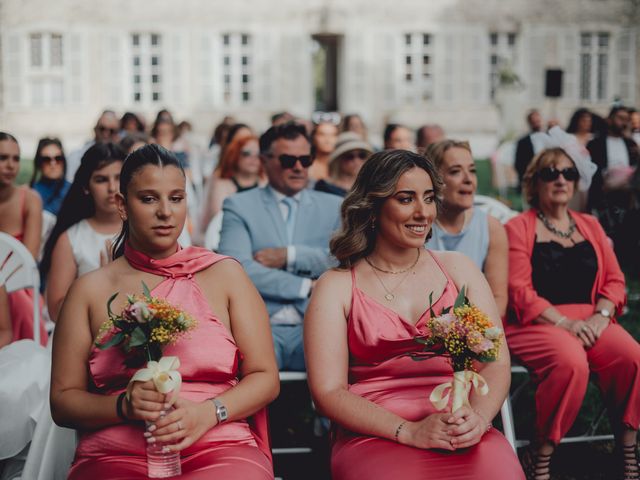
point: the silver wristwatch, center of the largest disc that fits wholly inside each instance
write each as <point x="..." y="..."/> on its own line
<point x="604" y="312"/>
<point x="221" y="410"/>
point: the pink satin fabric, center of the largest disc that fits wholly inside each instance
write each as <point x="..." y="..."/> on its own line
<point x="381" y="370"/>
<point x="209" y="361"/>
<point x="560" y="366"/>
<point x="21" y="314"/>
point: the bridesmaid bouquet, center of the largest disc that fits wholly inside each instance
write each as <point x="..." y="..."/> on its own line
<point x="144" y="327"/>
<point x="465" y="334"/>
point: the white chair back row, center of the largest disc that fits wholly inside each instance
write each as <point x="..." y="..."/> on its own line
<point x="18" y="270"/>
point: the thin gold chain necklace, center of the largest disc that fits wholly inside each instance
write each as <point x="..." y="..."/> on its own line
<point x="389" y="295"/>
<point x="394" y="272"/>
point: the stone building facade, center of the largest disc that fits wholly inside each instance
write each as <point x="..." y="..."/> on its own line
<point x="411" y="61"/>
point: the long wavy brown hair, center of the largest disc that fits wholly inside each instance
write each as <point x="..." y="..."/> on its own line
<point x="375" y="183"/>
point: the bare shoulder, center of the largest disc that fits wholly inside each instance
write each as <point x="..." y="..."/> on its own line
<point x="494" y="224"/>
<point x="335" y="279"/>
<point x="107" y="277"/>
<point x="225" y="275"/>
<point x="496" y="230"/>
<point x="32" y="198"/>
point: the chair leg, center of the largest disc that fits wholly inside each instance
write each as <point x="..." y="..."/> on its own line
<point x="507" y="423"/>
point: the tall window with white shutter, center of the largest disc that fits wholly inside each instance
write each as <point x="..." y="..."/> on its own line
<point x="45" y="69"/>
<point x="147" y="69"/>
<point x="417" y="81"/>
<point x="594" y="66"/>
<point x="237" y="68"/>
<point x="502" y="57"/>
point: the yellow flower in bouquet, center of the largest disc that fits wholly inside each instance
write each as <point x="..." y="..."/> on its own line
<point x="465" y="334"/>
<point x="144" y="327"/>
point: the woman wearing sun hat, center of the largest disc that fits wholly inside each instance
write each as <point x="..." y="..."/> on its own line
<point x="344" y="164"/>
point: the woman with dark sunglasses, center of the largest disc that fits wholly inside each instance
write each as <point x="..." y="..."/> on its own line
<point x="49" y="170"/>
<point x="565" y="291"/>
<point x="344" y="164"/>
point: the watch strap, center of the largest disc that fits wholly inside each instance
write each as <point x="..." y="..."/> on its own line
<point x="221" y="411"/>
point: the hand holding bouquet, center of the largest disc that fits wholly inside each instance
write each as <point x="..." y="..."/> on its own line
<point x="465" y="334"/>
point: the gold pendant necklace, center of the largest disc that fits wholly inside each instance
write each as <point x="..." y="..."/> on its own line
<point x="389" y="295"/>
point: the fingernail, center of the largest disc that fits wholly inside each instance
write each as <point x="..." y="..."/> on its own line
<point x="151" y="428"/>
<point x="147" y="434"/>
<point x="167" y="406"/>
<point x="151" y="440"/>
<point x="162" y="413"/>
<point x="166" y="449"/>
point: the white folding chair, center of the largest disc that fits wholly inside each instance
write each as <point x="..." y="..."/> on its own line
<point x="288" y="377"/>
<point x="18" y="270"/>
<point x="509" y="427"/>
<point x="494" y="207"/>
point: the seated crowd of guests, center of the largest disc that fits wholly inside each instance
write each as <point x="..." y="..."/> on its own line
<point x="336" y="247"/>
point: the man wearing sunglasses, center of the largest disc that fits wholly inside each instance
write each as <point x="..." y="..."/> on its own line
<point x="280" y="234"/>
<point x="107" y="129"/>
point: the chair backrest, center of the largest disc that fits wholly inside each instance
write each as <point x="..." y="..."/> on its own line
<point x="18" y="270"/>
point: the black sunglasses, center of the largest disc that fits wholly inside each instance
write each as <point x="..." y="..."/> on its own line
<point x="352" y="155"/>
<point x="289" y="161"/>
<point x="55" y="159"/>
<point x="549" y="174"/>
<point x="112" y="131"/>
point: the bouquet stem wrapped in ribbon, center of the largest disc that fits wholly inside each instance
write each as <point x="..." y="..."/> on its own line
<point x="465" y="334"/>
<point x="144" y="327"/>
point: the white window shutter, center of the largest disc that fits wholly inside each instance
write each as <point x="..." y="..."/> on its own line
<point x="73" y="59"/>
<point x="570" y="65"/>
<point x="117" y="71"/>
<point x="535" y="77"/>
<point x="626" y="67"/>
<point x="174" y="72"/>
<point x="13" y="70"/>
<point x="205" y="71"/>
<point x="388" y="76"/>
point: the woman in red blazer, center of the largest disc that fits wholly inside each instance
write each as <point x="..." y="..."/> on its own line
<point x="565" y="291"/>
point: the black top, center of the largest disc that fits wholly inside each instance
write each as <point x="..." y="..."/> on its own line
<point x="324" y="186"/>
<point x="564" y="275"/>
<point x="241" y="188"/>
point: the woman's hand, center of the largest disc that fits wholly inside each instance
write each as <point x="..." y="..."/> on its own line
<point x="582" y="330"/>
<point x="470" y="431"/>
<point x="430" y="432"/>
<point x="184" y="425"/>
<point x="145" y="402"/>
<point x="597" y="323"/>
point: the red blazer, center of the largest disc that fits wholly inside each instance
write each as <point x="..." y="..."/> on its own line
<point x="524" y="303"/>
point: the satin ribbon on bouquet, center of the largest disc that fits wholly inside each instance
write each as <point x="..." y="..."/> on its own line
<point x="459" y="389"/>
<point x="164" y="374"/>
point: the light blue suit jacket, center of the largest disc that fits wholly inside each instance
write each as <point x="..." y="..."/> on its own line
<point x="252" y="221"/>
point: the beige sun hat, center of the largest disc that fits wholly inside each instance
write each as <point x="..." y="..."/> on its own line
<point x="348" y="141"/>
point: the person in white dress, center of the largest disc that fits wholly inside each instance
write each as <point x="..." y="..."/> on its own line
<point x="87" y="222"/>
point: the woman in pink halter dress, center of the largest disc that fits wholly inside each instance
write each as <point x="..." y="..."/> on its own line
<point x="20" y="217"/>
<point x="360" y="331"/>
<point x="227" y="357"/>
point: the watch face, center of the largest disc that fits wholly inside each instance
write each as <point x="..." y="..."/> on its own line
<point x="605" y="313"/>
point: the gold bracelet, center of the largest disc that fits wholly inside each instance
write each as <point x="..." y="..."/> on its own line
<point x="562" y="319"/>
<point x="397" y="434"/>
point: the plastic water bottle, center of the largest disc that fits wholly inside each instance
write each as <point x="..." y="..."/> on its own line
<point x="162" y="463"/>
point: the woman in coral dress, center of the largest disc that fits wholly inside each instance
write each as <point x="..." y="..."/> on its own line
<point x="228" y="357"/>
<point x="565" y="291"/>
<point x="359" y="336"/>
<point x="20" y="217"/>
